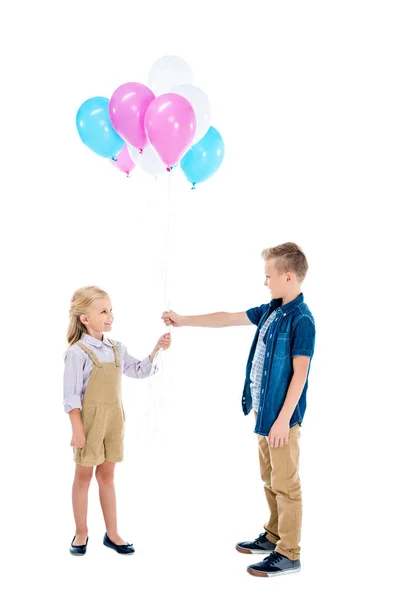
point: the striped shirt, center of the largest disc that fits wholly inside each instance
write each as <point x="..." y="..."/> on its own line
<point x="258" y="363"/>
<point x="78" y="367"/>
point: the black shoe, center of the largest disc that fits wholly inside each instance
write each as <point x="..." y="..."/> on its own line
<point x="274" y="564"/>
<point x="120" y="548"/>
<point x="78" y="550"/>
<point x="260" y="546"/>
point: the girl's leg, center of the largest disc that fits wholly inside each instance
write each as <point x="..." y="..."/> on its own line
<point x="80" y="489"/>
<point x="105" y="478"/>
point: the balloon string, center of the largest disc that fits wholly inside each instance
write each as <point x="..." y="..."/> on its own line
<point x="167" y="261"/>
<point x="166" y="293"/>
<point x="157" y="361"/>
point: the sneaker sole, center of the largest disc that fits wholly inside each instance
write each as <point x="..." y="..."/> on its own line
<point x="248" y="551"/>
<point x="277" y="573"/>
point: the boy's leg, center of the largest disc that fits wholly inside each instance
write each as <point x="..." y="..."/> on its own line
<point x="271" y="527"/>
<point x="286" y="486"/>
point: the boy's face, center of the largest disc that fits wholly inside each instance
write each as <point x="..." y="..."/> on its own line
<point x="278" y="284"/>
<point x="99" y="317"/>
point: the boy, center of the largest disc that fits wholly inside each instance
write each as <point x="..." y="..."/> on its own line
<point x="275" y="387"/>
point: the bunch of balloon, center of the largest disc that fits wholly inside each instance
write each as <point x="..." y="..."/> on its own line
<point x="155" y="127"/>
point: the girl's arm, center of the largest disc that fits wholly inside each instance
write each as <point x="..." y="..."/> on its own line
<point x="73" y="386"/>
<point x="73" y="380"/>
<point x="141" y="369"/>
<point x="133" y="367"/>
<point x="75" y="418"/>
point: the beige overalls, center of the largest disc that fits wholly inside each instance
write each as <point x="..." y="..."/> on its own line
<point x="102" y="414"/>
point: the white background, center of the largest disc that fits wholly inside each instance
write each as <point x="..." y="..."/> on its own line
<point x="306" y="97"/>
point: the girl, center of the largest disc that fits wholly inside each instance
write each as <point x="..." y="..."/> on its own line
<point x="92" y="398"/>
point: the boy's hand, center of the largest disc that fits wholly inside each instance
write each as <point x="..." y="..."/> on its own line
<point x="164" y="342"/>
<point x="172" y="318"/>
<point x="279" y="433"/>
<point x="78" y="438"/>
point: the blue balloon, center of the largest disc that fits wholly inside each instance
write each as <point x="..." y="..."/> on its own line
<point x="95" y="129"/>
<point x="204" y="158"/>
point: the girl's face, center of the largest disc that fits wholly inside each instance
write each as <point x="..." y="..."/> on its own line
<point x="99" y="317"/>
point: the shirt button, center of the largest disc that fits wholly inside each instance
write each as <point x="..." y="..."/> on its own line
<point x="270" y="336"/>
<point x="284" y="314"/>
<point x="262" y="391"/>
<point x="267" y="354"/>
<point x="265" y="372"/>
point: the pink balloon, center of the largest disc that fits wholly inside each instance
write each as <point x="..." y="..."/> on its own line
<point x="127" y="109"/>
<point x="170" y="125"/>
<point x="123" y="161"/>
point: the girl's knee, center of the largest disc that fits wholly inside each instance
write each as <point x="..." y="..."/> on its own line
<point x="104" y="477"/>
<point x="83" y="475"/>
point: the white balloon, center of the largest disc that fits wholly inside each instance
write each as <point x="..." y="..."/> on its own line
<point x="201" y="106"/>
<point x="148" y="160"/>
<point x="169" y="72"/>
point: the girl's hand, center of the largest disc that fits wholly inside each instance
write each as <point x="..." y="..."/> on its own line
<point x="78" y="438"/>
<point x="164" y="342"/>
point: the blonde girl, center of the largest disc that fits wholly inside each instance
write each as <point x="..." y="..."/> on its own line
<point x="92" y="398"/>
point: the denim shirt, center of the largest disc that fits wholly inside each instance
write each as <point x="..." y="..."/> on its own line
<point x="292" y="333"/>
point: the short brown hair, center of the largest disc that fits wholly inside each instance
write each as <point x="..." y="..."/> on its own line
<point x="288" y="257"/>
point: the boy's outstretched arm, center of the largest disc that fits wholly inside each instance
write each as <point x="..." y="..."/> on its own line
<point x="219" y="319"/>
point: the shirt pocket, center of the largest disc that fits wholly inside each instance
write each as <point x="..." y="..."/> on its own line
<point x="282" y="346"/>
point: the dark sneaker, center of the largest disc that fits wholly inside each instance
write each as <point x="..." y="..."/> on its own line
<point x="260" y="546"/>
<point x="120" y="548"/>
<point x="274" y="564"/>
<point x="78" y="550"/>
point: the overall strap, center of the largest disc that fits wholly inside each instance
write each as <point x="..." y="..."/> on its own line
<point x="91" y="355"/>
<point x="116" y="353"/>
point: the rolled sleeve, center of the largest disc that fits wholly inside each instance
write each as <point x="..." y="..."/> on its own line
<point x="71" y="402"/>
<point x="73" y="380"/>
<point x="255" y="314"/>
<point x="303" y="337"/>
<point x="139" y="369"/>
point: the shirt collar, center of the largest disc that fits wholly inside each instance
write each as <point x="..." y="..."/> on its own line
<point x="287" y="308"/>
<point x="89" y="339"/>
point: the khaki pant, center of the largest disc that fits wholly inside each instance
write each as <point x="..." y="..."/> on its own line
<point x="279" y="469"/>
